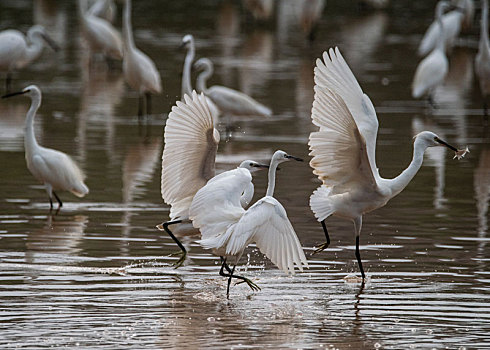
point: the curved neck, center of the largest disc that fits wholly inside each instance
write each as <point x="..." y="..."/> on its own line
<point x="272" y="177"/>
<point x="186" y="74"/>
<point x="34" y="49"/>
<point x="127" y="28"/>
<point x="247" y="195"/>
<point x="203" y="78"/>
<point x="30" y="138"/>
<point x="401" y="181"/>
<point x="441" y="42"/>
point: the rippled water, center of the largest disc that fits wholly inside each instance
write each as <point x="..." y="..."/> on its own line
<point x="99" y="274"/>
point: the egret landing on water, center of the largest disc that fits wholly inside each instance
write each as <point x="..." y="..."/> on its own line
<point x="55" y="169"/>
<point x="17" y="51"/>
<point x="482" y="59"/>
<point x="228" y="229"/>
<point x="343" y="149"/>
<point x="188" y="162"/>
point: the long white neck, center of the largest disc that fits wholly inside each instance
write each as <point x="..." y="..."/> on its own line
<point x="30" y="142"/>
<point x="35" y="48"/>
<point x="82" y="9"/>
<point x="441" y="42"/>
<point x="127" y="28"/>
<point x="203" y="78"/>
<point x="484" y="42"/>
<point x="272" y="177"/>
<point x="247" y="195"/>
<point x="186" y="74"/>
<point x="401" y="181"/>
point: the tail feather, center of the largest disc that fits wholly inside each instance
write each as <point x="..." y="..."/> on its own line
<point x="81" y="190"/>
<point x="320" y="203"/>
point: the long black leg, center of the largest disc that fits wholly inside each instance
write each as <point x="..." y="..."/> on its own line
<point x="358" y="256"/>
<point x="140" y="107"/>
<point x="327" y="243"/>
<point x="231" y="275"/>
<point x="60" y="203"/>
<point x="148" y="104"/>
<point x="50" y="204"/>
<point x="164" y="226"/>
<point x="8" y="82"/>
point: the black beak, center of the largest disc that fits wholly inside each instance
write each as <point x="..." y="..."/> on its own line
<point x="182" y="45"/>
<point x="50" y="42"/>
<point x="295" y="158"/>
<point x="14" y="94"/>
<point x="259" y="165"/>
<point x="444" y="143"/>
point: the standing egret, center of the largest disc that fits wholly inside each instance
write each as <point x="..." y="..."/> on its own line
<point x="18" y="51"/>
<point x="105" y="9"/>
<point x="229" y="101"/>
<point x="188" y="162"/>
<point x="228" y="229"/>
<point x="432" y="70"/>
<point x="100" y="35"/>
<point x="55" y="169"/>
<point x="343" y="149"/>
<point x="139" y="70"/>
<point x="482" y="59"/>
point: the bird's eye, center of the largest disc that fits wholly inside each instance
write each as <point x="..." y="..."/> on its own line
<point x="251" y="164"/>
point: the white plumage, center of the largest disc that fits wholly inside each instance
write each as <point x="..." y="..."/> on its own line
<point x="105" y="9"/>
<point x="343" y="149"/>
<point x="55" y="169"/>
<point x="482" y="58"/>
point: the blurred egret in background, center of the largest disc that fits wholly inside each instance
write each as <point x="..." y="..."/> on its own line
<point x="482" y="59"/>
<point x="344" y="149"/>
<point x="227" y="228"/>
<point x="55" y="169"/>
<point x="105" y="9"/>
<point x="18" y="51"/>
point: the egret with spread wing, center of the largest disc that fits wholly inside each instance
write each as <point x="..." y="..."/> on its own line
<point x="228" y="229"/>
<point x="343" y="149"/>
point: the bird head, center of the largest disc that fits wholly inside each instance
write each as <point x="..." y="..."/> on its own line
<point x="281" y="156"/>
<point x="430" y="139"/>
<point x="31" y="91"/>
<point x="187" y="41"/>
<point x="203" y="64"/>
<point x="39" y="30"/>
<point x="253" y="166"/>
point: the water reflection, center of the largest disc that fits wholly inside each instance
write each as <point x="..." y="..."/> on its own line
<point x="261" y="10"/>
<point x="12" y="121"/>
<point x="481" y="184"/>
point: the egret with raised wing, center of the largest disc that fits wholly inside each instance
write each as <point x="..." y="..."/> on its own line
<point x="227" y="228"/>
<point x="344" y="148"/>
<point x="55" y="169"/>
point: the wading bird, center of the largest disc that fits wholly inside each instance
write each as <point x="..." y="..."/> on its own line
<point x="432" y="70"/>
<point x="343" y="149"/>
<point x="18" y="51"/>
<point x="139" y="70"/>
<point x="55" y="169"/>
<point x="482" y="59"/>
<point x="188" y="162"/>
<point x="228" y="229"/>
<point x="105" y="9"/>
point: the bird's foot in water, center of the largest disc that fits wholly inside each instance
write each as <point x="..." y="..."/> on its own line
<point x="181" y="260"/>
<point x="252" y="285"/>
<point x="321" y="248"/>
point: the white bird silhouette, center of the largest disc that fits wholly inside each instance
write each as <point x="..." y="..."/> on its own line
<point x="228" y="229"/>
<point x="105" y="9"/>
<point x="139" y="70"/>
<point x="343" y="149"/>
<point x="55" y="169"/>
<point x="188" y="162"/>
<point x="18" y="51"/>
<point x="482" y="58"/>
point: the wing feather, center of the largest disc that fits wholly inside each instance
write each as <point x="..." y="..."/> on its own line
<point x="188" y="158"/>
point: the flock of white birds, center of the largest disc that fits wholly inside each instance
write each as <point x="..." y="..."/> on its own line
<point x="217" y="207"/>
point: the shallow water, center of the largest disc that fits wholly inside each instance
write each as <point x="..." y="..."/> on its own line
<point x="99" y="273"/>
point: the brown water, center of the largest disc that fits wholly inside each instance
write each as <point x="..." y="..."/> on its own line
<point x="99" y="275"/>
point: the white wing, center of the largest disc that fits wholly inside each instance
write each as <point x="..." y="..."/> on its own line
<point x="335" y="75"/>
<point x="266" y="223"/>
<point x="188" y="158"/>
<point x="338" y="149"/>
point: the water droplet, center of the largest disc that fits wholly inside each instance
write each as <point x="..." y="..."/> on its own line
<point x="211" y="319"/>
<point x="377" y="345"/>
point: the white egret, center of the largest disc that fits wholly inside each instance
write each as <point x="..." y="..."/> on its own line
<point x="188" y="162"/>
<point x="105" y="9"/>
<point x="452" y="22"/>
<point x="18" y="51"/>
<point x="100" y="35"/>
<point x="482" y="59"/>
<point x="228" y="229"/>
<point x="139" y="70"/>
<point x="55" y="169"/>
<point x="432" y="70"/>
<point x="229" y="101"/>
<point x="343" y="149"/>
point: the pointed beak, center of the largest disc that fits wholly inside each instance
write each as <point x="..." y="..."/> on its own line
<point x="14" y="94"/>
<point x="182" y="45"/>
<point x="259" y="165"/>
<point x="50" y="42"/>
<point x="444" y="143"/>
<point x="295" y="158"/>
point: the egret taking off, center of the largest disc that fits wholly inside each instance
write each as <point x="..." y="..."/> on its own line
<point x="18" y="51"/>
<point x="343" y="149"/>
<point x="432" y="70"/>
<point x="55" y="169"/>
<point x="228" y="229"/>
<point x="229" y="101"/>
<point x="139" y="70"/>
<point x="188" y="162"/>
<point x="482" y="59"/>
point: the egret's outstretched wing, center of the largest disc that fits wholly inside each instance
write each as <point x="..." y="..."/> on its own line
<point x="191" y="142"/>
<point x="338" y="149"/>
<point x="334" y="74"/>
<point x="266" y="223"/>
